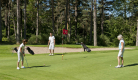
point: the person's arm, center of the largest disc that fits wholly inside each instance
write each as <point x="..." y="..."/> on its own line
<point x="122" y="44"/>
<point x="22" y="51"/>
<point x="54" y="41"/>
<point x="48" y="42"/>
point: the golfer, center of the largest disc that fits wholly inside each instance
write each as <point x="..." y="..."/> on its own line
<point x="52" y="44"/>
<point x="121" y="51"/>
<point x="21" y="54"/>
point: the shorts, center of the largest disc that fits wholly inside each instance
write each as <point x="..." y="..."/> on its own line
<point x="20" y="56"/>
<point x="120" y="54"/>
<point x="51" y="46"/>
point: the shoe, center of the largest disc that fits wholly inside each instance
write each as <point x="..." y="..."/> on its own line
<point x="119" y="66"/>
<point x="52" y="54"/>
<point x="122" y="66"/>
<point x="49" y="54"/>
<point x="18" y="68"/>
<point x="22" y="67"/>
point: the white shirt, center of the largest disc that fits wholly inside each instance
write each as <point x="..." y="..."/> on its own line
<point x="51" y="38"/>
<point x="21" y="46"/>
<point x="120" y="46"/>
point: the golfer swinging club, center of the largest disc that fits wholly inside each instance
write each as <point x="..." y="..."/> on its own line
<point x="121" y="51"/>
<point x="52" y="44"/>
<point x="21" y="53"/>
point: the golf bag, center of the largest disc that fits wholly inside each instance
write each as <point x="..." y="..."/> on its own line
<point x="15" y="49"/>
<point x="30" y="51"/>
<point x="85" y="47"/>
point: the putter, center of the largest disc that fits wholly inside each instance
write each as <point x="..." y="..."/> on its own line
<point x="12" y="51"/>
<point x="26" y="61"/>
<point x="47" y="49"/>
<point x="81" y="47"/>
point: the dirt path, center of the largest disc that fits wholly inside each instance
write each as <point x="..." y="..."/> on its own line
<point x="41" y="50"/>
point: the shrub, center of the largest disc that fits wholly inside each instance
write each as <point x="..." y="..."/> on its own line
<point x="103" y="40"/>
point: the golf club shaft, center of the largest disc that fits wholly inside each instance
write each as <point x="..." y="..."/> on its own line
<point x="26" y="61"/>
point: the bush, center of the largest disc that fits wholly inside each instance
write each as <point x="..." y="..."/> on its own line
<point x="12" y="39"/>
<point x="32" y="39"/>
<point x="103" y="40"/>
<point x="4" y="39"/>
<point x="44" y="38"/>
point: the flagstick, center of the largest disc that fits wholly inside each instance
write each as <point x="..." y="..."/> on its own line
<point x="62" y="46"/>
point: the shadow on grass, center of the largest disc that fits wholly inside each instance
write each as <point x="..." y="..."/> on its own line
<point x="61" y="54"/>
<point x="85" y="57"/>
<point x="38" y="66"/>
<point x="129" y="65"/>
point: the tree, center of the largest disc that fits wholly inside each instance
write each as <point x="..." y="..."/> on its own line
<point x="53" y="17"/>
<point x="95" y="24"/>
<point x="137" y="35"/>
<point x="0" y="24"/>
<point x="9" y="6"/>
<point x="91" y="21"/>
<point x="6" y="17"/>
<point x="102" y="17"/>
<point x="18" y="22"/>
<point x="24" y="19"/>
<point x="37" y="21"/>
<point x="76" y="16"/>
<point x="69" y="20"/>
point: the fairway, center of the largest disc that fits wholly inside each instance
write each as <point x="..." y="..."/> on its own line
<point x="74" y="66"/>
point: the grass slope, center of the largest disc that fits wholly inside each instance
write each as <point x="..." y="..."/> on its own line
<point x="74" y="66"/>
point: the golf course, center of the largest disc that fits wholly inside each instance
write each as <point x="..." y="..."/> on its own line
<point x="95" y="65"/>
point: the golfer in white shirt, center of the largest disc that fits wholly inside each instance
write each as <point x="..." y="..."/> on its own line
<point x="52" y="43"/>
<point x="121" y="51"/>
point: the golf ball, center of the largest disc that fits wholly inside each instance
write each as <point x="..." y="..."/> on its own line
<point x="110" y="65"/>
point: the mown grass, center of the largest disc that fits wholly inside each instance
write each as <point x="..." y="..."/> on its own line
<point x="74" y="66"/>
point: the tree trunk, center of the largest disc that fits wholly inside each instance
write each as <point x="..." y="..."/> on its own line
<point x="69" y="22"/>
<point x="95" y="24"/>
<point x="137" y="35"/>
<point x="18" y="22"/>
<point x="0" y="24"/>
<point x="37" y="21"/>
<point x="6" y="19"/>
<point x="14" y="27"/>
<point x="21" y="25"/>
<point x="66" y="14"/>
<point x="91" y="21"/>
<point x="24" y="19"/>
<point x="102" y="18"/>
<point x="76" y="15"/>
<point x="66" y="24"/>
<point x="9" y="20"/>
<point x="53" y="17"/>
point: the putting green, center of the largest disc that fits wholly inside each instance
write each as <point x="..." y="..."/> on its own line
<point x="74" y="66"/>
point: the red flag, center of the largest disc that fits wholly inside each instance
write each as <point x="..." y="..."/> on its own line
<point x="65" y="31"/>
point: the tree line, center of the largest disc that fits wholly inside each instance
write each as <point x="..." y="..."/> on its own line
<point x="94" y="22"/>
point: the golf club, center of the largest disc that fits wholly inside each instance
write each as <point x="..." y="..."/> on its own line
<point x="26" y="61"/>
<point x="12" y="51"/>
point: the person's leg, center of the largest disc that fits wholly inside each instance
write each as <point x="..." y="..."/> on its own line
<point x="17" y="64"/>
<point x="122" y="60"/>
<point x="18" y="61"/>
<point x="53" y="49"/>
<point x="50" y="49"/>
<point x="118" y="60"/>
<point x="22" y="59"/>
